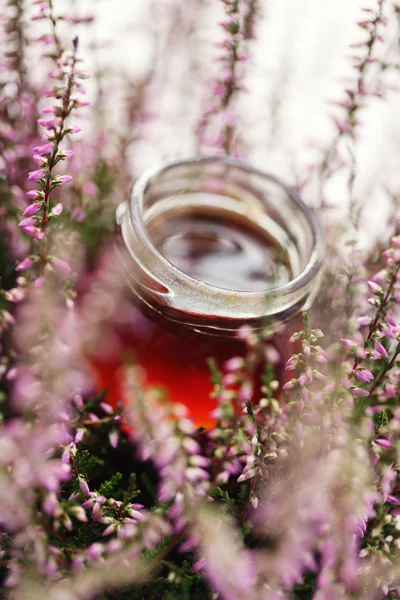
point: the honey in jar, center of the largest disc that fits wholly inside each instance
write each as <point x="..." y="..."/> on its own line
<point x="209" y="245"/>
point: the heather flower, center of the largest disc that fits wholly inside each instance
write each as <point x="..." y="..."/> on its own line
<point x="63" y="179"/>
<point x="36" y="175"/>
<point x="30" y="210"/>
<point x="24" y="264"/>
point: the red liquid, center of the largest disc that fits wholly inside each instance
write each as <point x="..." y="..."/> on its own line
<point x="175" y="359"/>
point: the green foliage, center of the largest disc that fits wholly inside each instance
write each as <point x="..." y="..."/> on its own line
<point x="109" y="488"/>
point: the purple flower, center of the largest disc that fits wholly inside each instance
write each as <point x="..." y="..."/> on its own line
<point x="33" y="194"/>
<point x="395" y="241"/>
<point x="393" y="499"/>
<point x="49" y="504"/>
<point x="24" y="264"/>
<point x="30" y="230"/>
<point x="40" y="160"/>
<point x="348" y="342"/>
<point x="113" y="437"/>
<point x="64" y="179"/>
<point x="57" y="210"/>
<point x="36" y="175"/>
<point x="45" y="149"/>
<point x="360" y="392"/>
<point x="383" y="443"/>
<point x="381" y="349"/>
<point x="84" y="487"/>
<point x="31" y="210"/>
<point x="375" y="288"/>
<point x="289" y="385"/>
<point x="363" y="375"/>
<point x="46" y="123"/>
<point x="28" y="222"/>
<point x="62" y="266"/>
<point x="364" y="320"/>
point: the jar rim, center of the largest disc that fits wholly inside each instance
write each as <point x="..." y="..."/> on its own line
<point x="248" y="304"/>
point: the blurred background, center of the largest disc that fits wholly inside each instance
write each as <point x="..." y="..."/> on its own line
<point x="153" y="61"/>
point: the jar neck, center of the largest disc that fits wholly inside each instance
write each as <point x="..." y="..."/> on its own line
<point x="218" y="183"/>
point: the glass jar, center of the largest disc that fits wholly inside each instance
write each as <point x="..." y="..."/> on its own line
<point x="210" y="245"/>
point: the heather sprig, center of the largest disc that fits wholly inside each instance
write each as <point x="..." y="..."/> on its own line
<point x="219" y="108"/>
<point x="305" y="362"/>
<point x="367" y="70"/>
<point x="39" y="213"/>
<point x="380" y="344"/>
<point x="166" y="436"/>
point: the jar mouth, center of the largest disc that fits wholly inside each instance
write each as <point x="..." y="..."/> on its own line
<point x="163" y="285"/>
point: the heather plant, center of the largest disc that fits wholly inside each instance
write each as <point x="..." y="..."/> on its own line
<point x="295" y="491"/>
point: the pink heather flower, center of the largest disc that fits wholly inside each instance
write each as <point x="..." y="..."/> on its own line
<point x="94" y="551"/>
<point x="63" y="179"/>
<point x="29" y="222"/>
<point x="289" y="385"/>
<point x="48" y="123"/>
<point x="40" y="235"/>
<point x="33" y="194"/>
<point x="30" y="230"/>
<point x="78" y="214"/>
<point x="360" y="392"/>
<point x="395" y="241"/>
<point x="391" y="320"/>
<point x="383" y="443"/>
<point x="393" y="500"/>
<point x="113" y="437"/>
<point x="38" y="283"/>
<point x="50" y="504"/>
<point x="343" y="126"/>
<point x="348" y="342"/>
<point x="306" y="350"/>
<point x="24" y="264"/>
<point x="57" y="210"/>
<point x="90" y="188"/>
<point x="78" y="401"/>
<point x="68" y="153"/>
<point x="364" y="320"/>
<point x="375" y="288"/>
<point x="319" y="375"/>
<point x="381" y="349"/>
<point x="234" y="364"/>
<point x="290" y="364"/>
<point x="388" y="332"/>
<point x="62" y="266"/>
<point x="364" y="375"/>
<point x="390" y="390"/>
<point x="107" y="408"/>
<point x="36" y="175"/>
<point x="80" y="434"/>
<point x="84" y="488"/>
<point x="302" y="379"/>
<point x="45" y="149"/>
<point x="31" y="210"/>
<point x="380" y="276"/>
<point x="74" y="129"/>
<point x="83" y="103"/>
<point x="39" y="160"/>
